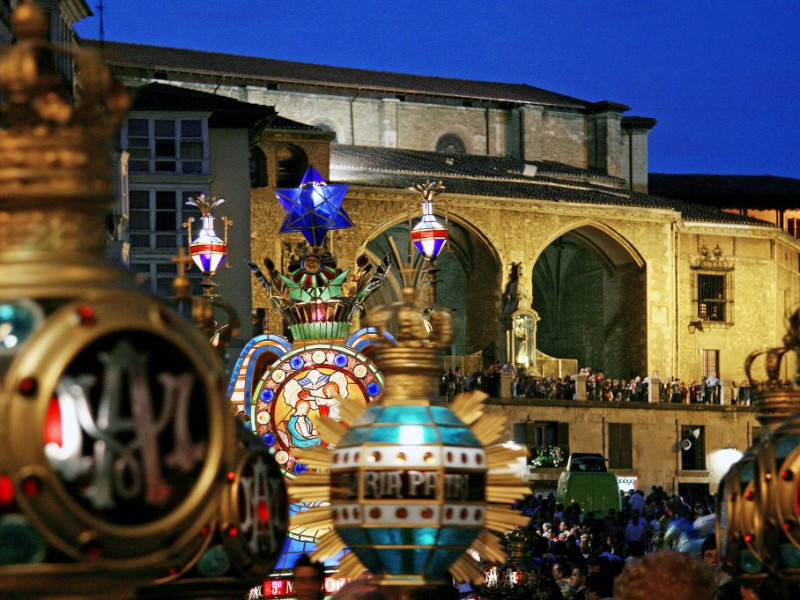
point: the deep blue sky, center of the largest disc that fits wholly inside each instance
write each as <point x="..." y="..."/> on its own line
<point x="721" y="77"/>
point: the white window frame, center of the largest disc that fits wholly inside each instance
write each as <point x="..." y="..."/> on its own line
<point x="182" y="213"/>
<point x="153" y="161"/>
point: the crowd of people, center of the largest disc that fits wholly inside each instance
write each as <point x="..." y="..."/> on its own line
<point x="599" y="388"/>
<point x="623" y="555"/>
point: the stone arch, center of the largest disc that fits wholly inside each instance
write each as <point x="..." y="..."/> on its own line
<point x="586" y="226"/>
<point x="258" y="168"/>
<point x="451" y="143"/>
<point x="328" y="124"/>
<point x="292" y="164"/>
<point x="470" y="279"/>
<point x="589" y="287"/>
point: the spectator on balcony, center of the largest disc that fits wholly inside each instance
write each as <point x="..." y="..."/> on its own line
<point x="744" y="393"/>
<point x="712" y="384"/>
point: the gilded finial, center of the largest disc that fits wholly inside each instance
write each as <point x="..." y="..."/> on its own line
<point x="55" y="151"/>
<point x="205" y="204"/>
<point x="429" y="190"/>
<point x="775" y="399"/>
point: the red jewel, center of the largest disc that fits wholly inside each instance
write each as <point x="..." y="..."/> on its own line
<point x="232" y="531"/>
<point x="31" y="485"/>
<point x="6" y="490"/>
<point x="86" y="315"/>
<point x="27" y="387"/>
<point x="92" y="549"/>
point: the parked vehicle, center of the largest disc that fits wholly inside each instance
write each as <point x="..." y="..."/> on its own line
<point x="587" y="481"/>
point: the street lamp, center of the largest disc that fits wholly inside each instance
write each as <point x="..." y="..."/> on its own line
<point x="429" y="236"/>
<point x="207" y="250"/>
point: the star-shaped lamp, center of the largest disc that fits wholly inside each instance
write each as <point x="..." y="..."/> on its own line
<point x="314" y="208"/>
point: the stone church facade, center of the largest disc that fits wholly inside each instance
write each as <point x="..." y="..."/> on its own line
<point x="551" y="188"/>
<point x="622" y="281"/>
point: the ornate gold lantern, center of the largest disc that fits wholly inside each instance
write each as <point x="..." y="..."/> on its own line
<point x="114" y="436"/>
<point x="412" y="484"/>
<point x="758" y="503"/>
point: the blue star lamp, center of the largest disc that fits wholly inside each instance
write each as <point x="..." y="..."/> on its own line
<point x="314" y="208"/>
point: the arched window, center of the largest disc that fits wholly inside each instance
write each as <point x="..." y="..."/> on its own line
<point x="258" y="168"/>
<point x="325" y="126"/>
<point x="292" y="164"/>
<point x="450" y="143"/>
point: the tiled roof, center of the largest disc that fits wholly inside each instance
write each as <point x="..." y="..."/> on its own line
<point x="225" y="111"/>
<point x="279" y="122"/>
<point x="729" y="191"/>
<point x="500" y="177"/>
<point x="233" y="67"/>
<point x="466" y="165"/>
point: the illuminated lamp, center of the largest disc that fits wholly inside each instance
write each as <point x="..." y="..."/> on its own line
<point x="759" y="537"/>
<point x="207" y="251"/>
<point x="429" y="236"/>
<point x="414" y="486"/>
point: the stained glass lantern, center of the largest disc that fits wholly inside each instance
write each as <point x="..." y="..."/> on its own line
<point x="410" y="490"/>
<point x="207" y="250"/>
<point x="409" y="481"/>
<point x="429" y="236"/>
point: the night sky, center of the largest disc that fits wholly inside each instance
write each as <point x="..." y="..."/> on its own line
<point x="721" y="77"/>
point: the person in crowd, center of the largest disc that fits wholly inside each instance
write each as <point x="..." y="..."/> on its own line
<point x="713" y="388"/>
<point x="599" y="586"/>
<point x="665" y="574"/>
<point x="578" y="581"/>
<point x="636" y="502"/>
<point x="635" y="533"/>
<point x="308" y="578"/>
<point x="709" y="553"/>
<point x="561" y="574"/>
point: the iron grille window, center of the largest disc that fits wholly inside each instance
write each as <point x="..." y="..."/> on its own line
<point x="693" y="457"/>
<point x="711" y="297"/>
<point x="712" y="284"/>
<point x="620" y="445"/>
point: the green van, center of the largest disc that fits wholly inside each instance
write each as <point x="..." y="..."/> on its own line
<point x="587" y="482"/>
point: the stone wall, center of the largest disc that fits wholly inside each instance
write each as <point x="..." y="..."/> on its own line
<point x="766" y="287"/>
<point x="549" y="134"/>
<point x="652" y="329"/>
<point x="655" y="431"/>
